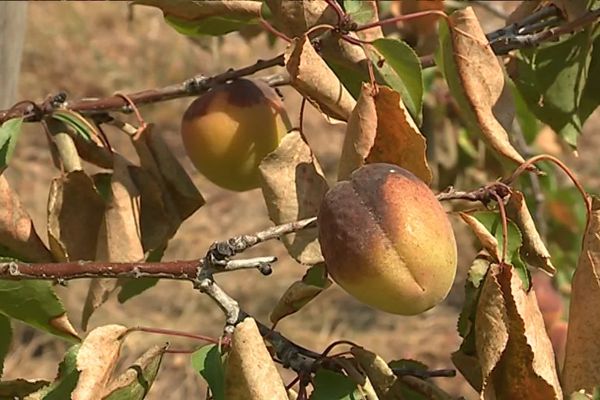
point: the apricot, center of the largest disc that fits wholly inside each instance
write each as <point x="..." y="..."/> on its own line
<point x="229" y="130"/>
<point x="387" y="240"/>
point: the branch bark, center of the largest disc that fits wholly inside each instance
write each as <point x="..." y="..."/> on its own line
<point x="191" y="87"/>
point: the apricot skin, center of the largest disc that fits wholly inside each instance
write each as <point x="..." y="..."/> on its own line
<point x="229" y="130"/>
<point x="387" y="240"/>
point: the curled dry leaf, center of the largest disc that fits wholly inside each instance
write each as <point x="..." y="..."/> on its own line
<point x="379" y="373"/>
<point x="301" y="292"/>
<point x="119" y="238"/>
<point x="534" y="250"/>
<point x="513" y="347"/>
<point x="487" y="240"/>
<point x="75" y="212"/>
<point x="295" y="17"/>
<point x="475" y="78"/>
<point x="194" y="10"/>
<point x="135" y="382"/>
<point x="96" y="361"/>
<point x="360" y="133"/>
<point x="293" y="186"/>
<point x="17" y="233"/>
<point x="582" y="359"/>
<point x="381" y="130"/>
<point x="157" y="158"/>
<point x="250" y="372"/>
<point x="311" y="76"/>
<point x="398" y="140"/>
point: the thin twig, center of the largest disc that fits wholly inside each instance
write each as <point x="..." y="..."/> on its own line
<point x="191" y="87"/>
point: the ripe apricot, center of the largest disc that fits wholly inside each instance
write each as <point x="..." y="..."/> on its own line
<point x="230" y="129"/>
<point x="387" y="240"/>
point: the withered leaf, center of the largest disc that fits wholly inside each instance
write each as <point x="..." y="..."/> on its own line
<point x="512" y="344"/>
<point x="582" y="357"/>
<point x="157" y="158"/>
<point x="311" y="76"/>
<point x="193" y="10"/>
<point x="379" y="373"/>
<point x="294" y="18"/>
<point x="75" y="212"/>
<point x="250" y="372"/>
<point x="293" y="186"/>
<point x="475" y="78"/>
<point x="301" y="292"/>
<point x="17" y="233"/>
<point x="360" y="133"/>
<point x="534" y="250"/>
<point x="380" y="129"/>
<point x="96" y="361"/>
<point x="136" y="381"/>
<point x="487" y="240"/>
<point x="398" y="139"/>
<point x="119" y="238"/>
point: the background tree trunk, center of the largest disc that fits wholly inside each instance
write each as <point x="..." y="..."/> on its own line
<point x="12" y="34"/>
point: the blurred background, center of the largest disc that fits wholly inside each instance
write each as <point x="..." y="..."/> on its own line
<point x="92" y="49"/>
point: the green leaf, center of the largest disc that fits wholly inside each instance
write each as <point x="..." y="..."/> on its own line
<point x="65" y="382"/>
<point x="77" y="122"/>
<point x="36" y="304"/>
<point x="527" y="121"/>
<point x="491" y="221"/>
<point x="316" y="276"/>
<point x="360" y="11"/>
<point x="5" y="338"/>
<point x="401" y="70"/>
<point x="19" y="388"/>
<point x="329" y="385"/>
<point x="209" y="363"/>
<point x="136" y="381"/>
<point x="559" y="82"/>
<point x="9" y="135"/>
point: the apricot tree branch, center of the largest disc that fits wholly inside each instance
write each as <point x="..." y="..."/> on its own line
<point x="190" y="87"/>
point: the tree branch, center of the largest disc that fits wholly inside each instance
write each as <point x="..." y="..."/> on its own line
<point x="191" y="87"/>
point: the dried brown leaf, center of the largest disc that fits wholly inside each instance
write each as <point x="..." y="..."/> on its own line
<point x="512" y="344"/>
<point x="157" y="224"/>
<point x="191" y="10"/>
<point x="380" y="129"/>
<point x="293" y="186"/>
<point x="295" y="18"/>
<point x="487" y="240"/>
<point x="379" y="373"/>
<point x="491" y="330"/>
<point x="398" y="139"/>
<point x="75" y="212"/>
<point x="63" y="324"/>
<point x="534" y="250"/>
<point x="250" y="372"/>
<point x="96" y="360"/>
<point x="158" y="159"/>
<point x="476" y="77"/>
<point x="119" y="238"/>
<point x="311" y="76"/>
<point x="294" y="298"/>
<point x="17" y="233"/>
<point x="360" y="134"/>
<point x="582" y="359"/>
